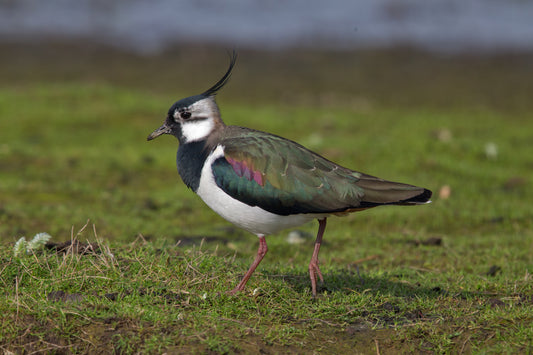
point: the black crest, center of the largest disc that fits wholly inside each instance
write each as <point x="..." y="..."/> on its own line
<point x="213" y="90"/>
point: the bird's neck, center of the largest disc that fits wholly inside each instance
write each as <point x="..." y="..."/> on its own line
<point x="190" y="161"/>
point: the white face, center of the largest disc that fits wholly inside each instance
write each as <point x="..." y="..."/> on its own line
<point x="197" y="120"/>
<point x="197" y="130"/>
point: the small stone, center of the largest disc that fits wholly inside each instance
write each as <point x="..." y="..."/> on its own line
<point x="494" y="302"/>
<point x="491" y="150"/>
<point x="444" y="135"/>
<point x="298" y="237"/>
<point x="111" y="296"/>
<point x="493" y="270"/>
<point x="445" y="192"/>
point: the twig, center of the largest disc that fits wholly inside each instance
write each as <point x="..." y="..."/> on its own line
<point x="464" y="345"/>
<point x="319" y="320"/>
<point x="82" y="228"/>
<point x="238" y="322"/>
<point x="17" y="297"/>
<point x="368" y="258"/>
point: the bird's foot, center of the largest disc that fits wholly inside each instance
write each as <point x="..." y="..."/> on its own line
<point x="234" y="291"/>
<point x="314" y="270"/>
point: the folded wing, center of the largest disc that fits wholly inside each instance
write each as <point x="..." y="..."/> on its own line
<point x="283" y="177"/>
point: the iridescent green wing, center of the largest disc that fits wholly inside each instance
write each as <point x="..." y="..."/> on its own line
<point x="283" y="177"/>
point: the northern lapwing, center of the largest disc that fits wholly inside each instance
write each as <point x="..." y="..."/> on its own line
<point x="264" y="183"/>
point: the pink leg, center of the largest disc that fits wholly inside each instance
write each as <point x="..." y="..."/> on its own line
<point x="313" y="265"/>
<point x="261" y="251"/>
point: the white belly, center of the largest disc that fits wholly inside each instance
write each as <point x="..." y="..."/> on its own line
<point x="253" y="219"/>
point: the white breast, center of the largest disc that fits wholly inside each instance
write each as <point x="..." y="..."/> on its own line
<point x="253" y="219"/>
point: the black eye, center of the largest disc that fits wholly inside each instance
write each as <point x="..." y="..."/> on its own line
<point x="185" y="115"/>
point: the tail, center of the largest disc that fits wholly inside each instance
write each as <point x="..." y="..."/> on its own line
<point x="380" y="192"/>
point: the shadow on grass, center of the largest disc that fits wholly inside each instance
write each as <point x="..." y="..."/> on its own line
<point x="350" y="281"/>
<point x="396" y="293"/>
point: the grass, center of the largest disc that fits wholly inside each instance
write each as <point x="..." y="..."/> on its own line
<point x="450" y="277"/>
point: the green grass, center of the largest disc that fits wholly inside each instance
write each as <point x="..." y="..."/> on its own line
<point x="73" y="149"/>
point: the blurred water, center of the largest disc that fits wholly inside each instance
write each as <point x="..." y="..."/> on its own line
<point x="152" y="25"/>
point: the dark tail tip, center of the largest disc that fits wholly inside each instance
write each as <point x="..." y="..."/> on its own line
<point x="420" y="198"/>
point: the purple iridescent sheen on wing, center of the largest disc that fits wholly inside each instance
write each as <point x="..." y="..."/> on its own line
<point x="242" y="169"/>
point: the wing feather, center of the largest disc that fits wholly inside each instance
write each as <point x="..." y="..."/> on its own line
<point x="283" y="177"/>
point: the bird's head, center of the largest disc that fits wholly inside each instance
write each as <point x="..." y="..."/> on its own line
<point x="196" y="117"/>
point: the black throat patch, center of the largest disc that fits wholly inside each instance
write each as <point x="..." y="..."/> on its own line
<point x="190" y="161"/>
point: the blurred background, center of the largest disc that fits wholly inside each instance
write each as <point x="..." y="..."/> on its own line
<point x="432" y="92"/>
<point x="153" y="26"/>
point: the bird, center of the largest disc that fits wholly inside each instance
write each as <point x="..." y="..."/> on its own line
<point x="264" y="183"/>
